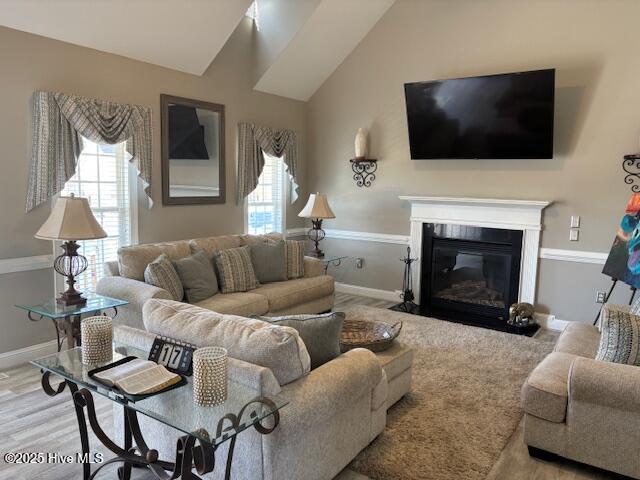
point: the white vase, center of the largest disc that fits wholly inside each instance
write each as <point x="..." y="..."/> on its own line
<point x="361" y="144"/>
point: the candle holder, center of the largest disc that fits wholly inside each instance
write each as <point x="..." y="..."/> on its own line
<point x="96" y="336"/>
<point x="210" y="376"/>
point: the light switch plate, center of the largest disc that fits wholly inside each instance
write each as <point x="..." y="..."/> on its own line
<point x="573" y="235"/>
<point x="575" y="221"/>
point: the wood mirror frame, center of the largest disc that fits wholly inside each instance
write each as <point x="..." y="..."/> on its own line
<point x="167" y="199"/>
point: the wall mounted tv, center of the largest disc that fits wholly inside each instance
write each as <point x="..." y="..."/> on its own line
<point x="507" y="116"/>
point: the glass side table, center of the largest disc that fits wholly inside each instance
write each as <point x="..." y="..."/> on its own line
<point x="335" y="260"/>
<point x="203" y="429"/>
<point x="66" y="320"/>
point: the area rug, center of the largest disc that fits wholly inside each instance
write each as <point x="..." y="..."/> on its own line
<point x="464" y="404"/>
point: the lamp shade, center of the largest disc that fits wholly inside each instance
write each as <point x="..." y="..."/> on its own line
<point x="71" y="219"/>
<point x="317" y="207"/>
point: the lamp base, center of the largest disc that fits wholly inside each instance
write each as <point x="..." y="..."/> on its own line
<point x="71" y="299"/>
<point x="315" y="253"/>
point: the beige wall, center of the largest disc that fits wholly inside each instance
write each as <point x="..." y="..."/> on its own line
<point x="597" y="119"/>
<point x="29" y="62"/>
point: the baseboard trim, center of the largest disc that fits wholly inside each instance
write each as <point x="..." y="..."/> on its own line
<point x="24" y="264"/>
<point x="387" y="295"/>
<point x="550" y="322"/>
<point x="14" y="358"/>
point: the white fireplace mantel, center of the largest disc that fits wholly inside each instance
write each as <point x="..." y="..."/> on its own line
<point x="524" y="215"/>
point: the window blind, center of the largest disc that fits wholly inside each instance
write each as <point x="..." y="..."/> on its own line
<point x="266" y="204"/>
<point x="102" y="176"/>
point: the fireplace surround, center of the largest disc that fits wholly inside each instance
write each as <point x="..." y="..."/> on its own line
<point x="521" y="217"/>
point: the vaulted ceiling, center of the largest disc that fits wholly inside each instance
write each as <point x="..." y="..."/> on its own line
<point x="300" y="42"/>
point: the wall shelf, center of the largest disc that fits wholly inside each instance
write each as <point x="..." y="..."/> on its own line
<point x="364" y="171"/>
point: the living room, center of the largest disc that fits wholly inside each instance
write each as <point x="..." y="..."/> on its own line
<point x="319" y="120"/>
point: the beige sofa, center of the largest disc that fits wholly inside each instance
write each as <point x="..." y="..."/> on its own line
<point x="334" y="411"/>
<point x="583" y="409"/>
<point x="312" y="294"/>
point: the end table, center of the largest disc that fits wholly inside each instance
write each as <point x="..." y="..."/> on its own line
<point x="66" y="320"/>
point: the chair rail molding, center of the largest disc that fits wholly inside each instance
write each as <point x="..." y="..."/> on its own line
<point x="25" y="264"/>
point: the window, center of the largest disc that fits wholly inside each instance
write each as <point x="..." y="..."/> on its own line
<point x="266" y="204"/>
<point x="104" y="178"/>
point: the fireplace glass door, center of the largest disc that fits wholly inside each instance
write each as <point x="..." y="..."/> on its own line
<point x="470" y="277"/>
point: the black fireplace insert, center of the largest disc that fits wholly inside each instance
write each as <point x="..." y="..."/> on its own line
<point x="469" y="274"/>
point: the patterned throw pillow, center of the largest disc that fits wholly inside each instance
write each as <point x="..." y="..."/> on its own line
<point x="235" y="270"/>
<point x="634" y="309"/>
<point x="619" y="338"/>
<point x="161" y="273"/>
<point x="295" y="258"/>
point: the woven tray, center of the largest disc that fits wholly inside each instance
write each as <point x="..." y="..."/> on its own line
<point x="375" y="336"/>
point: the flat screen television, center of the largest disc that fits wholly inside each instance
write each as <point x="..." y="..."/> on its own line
<point x="507" y="116"/>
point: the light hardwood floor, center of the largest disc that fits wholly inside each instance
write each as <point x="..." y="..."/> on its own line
<point x="30" y="421"/>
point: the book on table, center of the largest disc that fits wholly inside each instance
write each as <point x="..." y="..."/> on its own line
<point x="138" y="377"/>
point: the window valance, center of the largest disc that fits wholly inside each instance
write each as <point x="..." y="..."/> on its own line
<point x="253" y="142"/>
<point x="59" y="123"/>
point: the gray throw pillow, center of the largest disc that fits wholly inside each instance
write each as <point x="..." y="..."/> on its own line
<point x="320" y="333"/>
<point x="197" y="276"/>
<point x="269" y="261"/>
<point x="161" y="273"/>
<point x="619" y="337"/>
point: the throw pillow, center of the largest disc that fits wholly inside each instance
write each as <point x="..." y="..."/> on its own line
<point x="634" y="309"/>
<point x="197" y="276"/>
<point x="161" y="273"/>
<point x="235" y="270"/>
<point x="320" y="333"/>
<point x="295" y="258"/>
<point x="619" y="337"/>
<point x="269" y="261"/>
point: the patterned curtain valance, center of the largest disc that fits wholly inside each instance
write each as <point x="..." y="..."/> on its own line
<point x="59" y="123"/>
<point x="253" y="140"/>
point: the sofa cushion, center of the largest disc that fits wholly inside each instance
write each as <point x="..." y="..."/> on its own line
<point x="277" y="348"/>
<point x="282" y="295"/>
<point x="235" y="270"/>
<point x="620" y="337"/>
<point x="162" y="274"/>
<point x="395" y="359"/>
<point x="295" y="258"/>
<point x="197" y="276"/>
<point x="244" y="304"/>
<point x="320" y="334"/>
<point x="211" y="245"/>
<point x="545" y="392"/>
<point x="133" y="259"/>
<point x="249" y="239"/>
<point x="269" y="261"/>
<point x="579" y="339"/>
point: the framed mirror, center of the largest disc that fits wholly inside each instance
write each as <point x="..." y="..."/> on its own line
<point x="192" y="151"/>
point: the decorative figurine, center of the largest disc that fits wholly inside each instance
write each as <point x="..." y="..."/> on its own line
<point x="521" y="314"/>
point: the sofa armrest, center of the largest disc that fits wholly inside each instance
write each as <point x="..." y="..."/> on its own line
<point x="332" y="387"/>
<point x="133" y="291"/>
<point x="607" y="384"/>
<point x="313" y="267"/>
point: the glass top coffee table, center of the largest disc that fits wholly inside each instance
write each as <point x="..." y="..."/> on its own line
<point x="208" y="426"/>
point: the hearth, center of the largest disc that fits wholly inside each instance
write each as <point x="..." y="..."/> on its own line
<point x="470" y="274"/>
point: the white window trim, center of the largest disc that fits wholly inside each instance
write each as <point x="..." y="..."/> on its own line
<point x="59" y="284"/>
<point x="285" y="201"/>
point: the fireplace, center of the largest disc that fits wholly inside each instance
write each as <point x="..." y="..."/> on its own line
<point x="469" y="274"/>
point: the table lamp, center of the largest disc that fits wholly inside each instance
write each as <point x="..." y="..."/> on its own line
<point x="71" y="219"/>
<point x="316" y="209"/>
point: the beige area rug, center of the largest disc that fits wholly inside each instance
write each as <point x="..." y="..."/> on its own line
<point x="464" y="404"/>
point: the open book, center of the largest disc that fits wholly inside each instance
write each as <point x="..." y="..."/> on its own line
<point x="138" y="377"/>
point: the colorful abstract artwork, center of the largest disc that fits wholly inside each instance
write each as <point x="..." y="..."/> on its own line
<point x="623" y="262"/>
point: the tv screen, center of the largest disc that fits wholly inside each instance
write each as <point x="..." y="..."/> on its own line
<point x="495" y="116"/>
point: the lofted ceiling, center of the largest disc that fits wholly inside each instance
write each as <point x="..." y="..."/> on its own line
<point x="184" y="35"/>
<point x="299" y="46"/>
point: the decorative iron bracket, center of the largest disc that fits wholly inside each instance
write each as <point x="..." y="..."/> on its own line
<point x="364" y="171"/>
<point x="631" y="166"/>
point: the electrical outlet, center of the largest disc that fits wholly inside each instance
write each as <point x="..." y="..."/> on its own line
<point x="573" y="235"/>
<point x="601" y="296"/>
<point x="575" y="221"/>
<point x="359" y="262"/>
